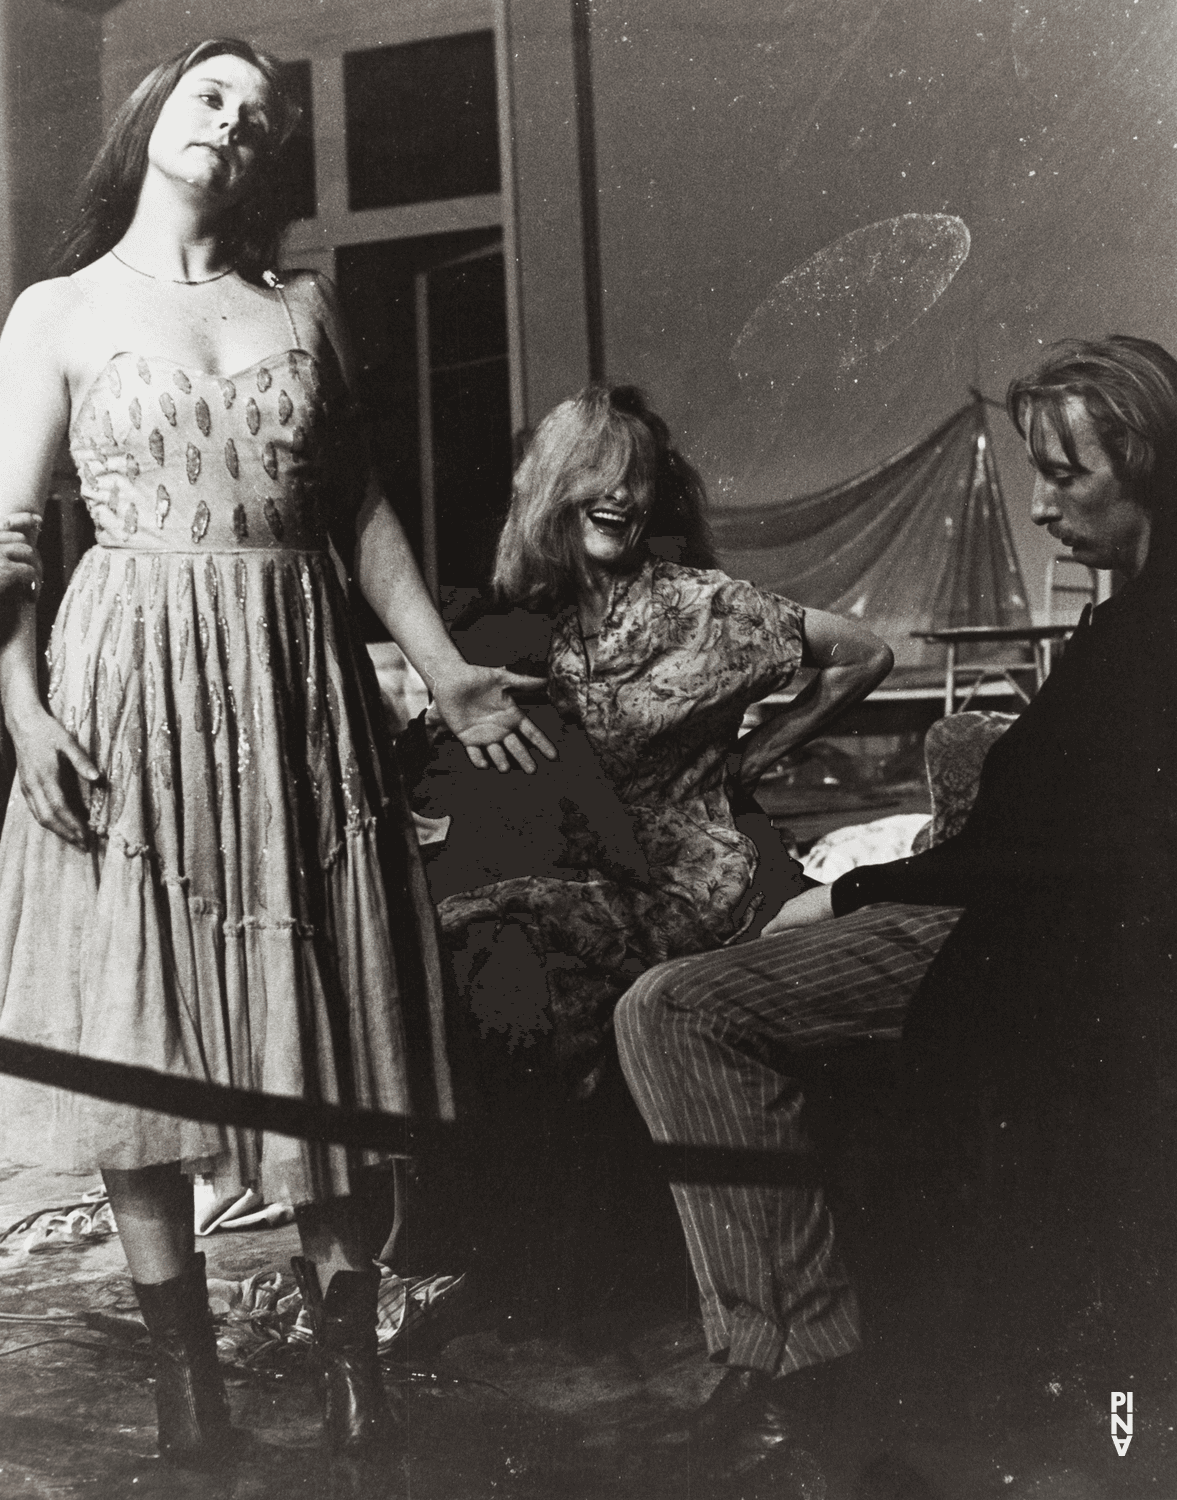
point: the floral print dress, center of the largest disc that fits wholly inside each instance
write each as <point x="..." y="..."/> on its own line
<point x="681" y="655"/>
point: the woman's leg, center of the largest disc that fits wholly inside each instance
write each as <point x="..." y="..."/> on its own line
<point x="347" y="1234"/>
<point x="340" y="1283"/>
<point x="153" y="1210"/>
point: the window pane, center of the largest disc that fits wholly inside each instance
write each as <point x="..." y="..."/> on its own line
<point x="468" y="384"/>
<point x="295" y="169"/>
<point x="468" y="312"/>
<point x="472" y="467"/>
<point x="422" y="121"/>
<point x="471" y="414"/>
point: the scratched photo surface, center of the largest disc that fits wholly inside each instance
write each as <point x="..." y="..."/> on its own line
<point x="821" y="237"/>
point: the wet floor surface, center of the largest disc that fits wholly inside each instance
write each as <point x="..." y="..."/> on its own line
<point x="505" y="1399"/>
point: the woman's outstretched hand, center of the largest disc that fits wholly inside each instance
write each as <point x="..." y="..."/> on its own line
<point x="476" y="704"/>
<point x="20" y="565"/>
<point x="51" y="763"/>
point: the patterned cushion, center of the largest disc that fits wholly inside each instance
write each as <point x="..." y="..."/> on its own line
<point x="954" y="751"/>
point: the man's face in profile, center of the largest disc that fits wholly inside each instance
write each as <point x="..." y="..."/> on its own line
<point x="1083" y="504"/>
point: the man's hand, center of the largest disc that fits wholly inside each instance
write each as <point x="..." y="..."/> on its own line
<point x="813" y="905"/>
<point x="20" y="566"/>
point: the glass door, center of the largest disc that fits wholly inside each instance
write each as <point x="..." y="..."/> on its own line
<point x="430" y="321"/>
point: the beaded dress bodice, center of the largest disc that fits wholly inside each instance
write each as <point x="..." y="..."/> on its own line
<point x="179" y="460"/>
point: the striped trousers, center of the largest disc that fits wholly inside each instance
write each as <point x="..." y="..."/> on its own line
<point x="705" y="1044"/>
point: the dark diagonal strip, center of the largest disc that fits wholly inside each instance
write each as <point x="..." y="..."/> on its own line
<point x="366" y="1129"/>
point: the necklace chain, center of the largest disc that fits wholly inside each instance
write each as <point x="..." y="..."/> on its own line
<point x="175" y="280"/>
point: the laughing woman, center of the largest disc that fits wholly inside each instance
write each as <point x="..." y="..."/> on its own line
<point x="656" y="661"/>
<point x="208" y="868"/>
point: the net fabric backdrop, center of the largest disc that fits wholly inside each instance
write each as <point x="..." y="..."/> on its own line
<point x="922" y="542"/>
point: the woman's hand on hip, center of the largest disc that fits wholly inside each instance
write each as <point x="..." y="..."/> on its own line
<point x="52" y="767"/>
<point x="813" y="905"/>
<point x="20" y="564"/>
<point x="476" y="704"/>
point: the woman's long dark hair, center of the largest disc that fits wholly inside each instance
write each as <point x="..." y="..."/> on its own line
<point x="252" y="228"/>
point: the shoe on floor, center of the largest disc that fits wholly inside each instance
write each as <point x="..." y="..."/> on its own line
<point x="753" y="1435"/>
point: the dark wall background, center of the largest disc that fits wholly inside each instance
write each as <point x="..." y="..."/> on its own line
<point x="738" y="138"/>
<point x="51" y="106"/>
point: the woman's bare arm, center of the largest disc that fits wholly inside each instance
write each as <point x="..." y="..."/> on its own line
<point x="474" y="701"/>
<point x="34" y="416"/>
<point x="850" y="661"/>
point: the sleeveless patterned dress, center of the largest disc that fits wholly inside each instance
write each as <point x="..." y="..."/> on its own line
<point x="252" y="909"/>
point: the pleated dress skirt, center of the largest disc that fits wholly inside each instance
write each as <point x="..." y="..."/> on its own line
<point x="251" y="909"/>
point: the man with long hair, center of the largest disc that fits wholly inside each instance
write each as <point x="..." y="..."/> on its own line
<point x="1045" y="1011"/>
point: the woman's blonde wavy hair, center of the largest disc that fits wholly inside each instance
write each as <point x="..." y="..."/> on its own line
<point x="584" y="447"/>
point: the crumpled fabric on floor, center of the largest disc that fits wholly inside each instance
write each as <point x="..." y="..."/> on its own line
<point x="266" y="1310"/>
<point x="237" y="1208"/>
<point x="72" y="1224"/>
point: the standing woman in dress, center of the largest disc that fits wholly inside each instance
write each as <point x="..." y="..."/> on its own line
<point x="208" y="868"/>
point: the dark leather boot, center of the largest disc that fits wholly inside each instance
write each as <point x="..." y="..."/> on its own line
<point x="750" y="1436"/>
<point x="356" y="1417"/>
<point x="194" y="1425"/>
<point x="743" y="1416"/>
